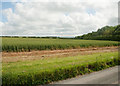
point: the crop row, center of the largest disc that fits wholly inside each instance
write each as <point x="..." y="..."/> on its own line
<point x="28" y="44"/>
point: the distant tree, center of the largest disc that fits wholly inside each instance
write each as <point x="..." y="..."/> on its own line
<point x="105" y="33"/>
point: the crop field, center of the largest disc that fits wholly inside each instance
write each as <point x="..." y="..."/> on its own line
<point x="29" y="44"/>
<point x="51" y="60"/>
<point x="46" y="70"/>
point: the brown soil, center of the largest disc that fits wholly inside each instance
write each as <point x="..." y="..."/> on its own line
<point x="34" y="55"/>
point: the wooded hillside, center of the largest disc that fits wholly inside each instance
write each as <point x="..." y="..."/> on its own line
<point x="105" y="33"/>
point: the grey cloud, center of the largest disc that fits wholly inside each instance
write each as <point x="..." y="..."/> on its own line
<point x="113" y="21"/>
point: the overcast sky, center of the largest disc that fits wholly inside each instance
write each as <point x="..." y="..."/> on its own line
<point x="51" y="18"/>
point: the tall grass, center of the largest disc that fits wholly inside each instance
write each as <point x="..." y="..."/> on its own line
<point x="28" y="44"/>
<point x="53" y="69"/>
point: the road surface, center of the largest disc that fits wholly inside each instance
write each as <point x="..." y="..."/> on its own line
<point x="107" y="76"/>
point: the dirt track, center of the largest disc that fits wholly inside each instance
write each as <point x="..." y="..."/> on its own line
<point x="34" y="55"/>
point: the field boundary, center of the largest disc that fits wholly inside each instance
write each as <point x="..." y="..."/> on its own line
<point x="59" y="74"/>
<point x="36" y="55"/>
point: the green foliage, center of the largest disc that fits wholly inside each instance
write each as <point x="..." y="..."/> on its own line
<point x="44" y="71"/>
<point x="29" y="44"/>
<point x="105" y="33"/>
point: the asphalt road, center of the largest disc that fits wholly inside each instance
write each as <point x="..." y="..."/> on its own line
<point x="107" y="76"/>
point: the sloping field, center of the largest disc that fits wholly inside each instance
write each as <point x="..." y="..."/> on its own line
<point x="29" y="44"/>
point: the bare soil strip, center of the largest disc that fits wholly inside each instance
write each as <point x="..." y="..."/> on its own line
<point x="34" y="55"/>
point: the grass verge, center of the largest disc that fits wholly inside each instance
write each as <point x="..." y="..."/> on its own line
<point x="47" y="70"/>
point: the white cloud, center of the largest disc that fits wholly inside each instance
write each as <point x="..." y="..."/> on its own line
<point x="1" y="25"/>
<point x="59" y="18"/>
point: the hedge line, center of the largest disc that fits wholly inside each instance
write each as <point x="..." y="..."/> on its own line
<point x="59" y="74"/>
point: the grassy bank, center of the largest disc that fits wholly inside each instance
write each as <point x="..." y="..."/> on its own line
<point x="28" y="44"/>
<point x="46" y="70"/>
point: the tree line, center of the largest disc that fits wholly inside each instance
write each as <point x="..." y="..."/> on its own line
<point x="105" y="33"/>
